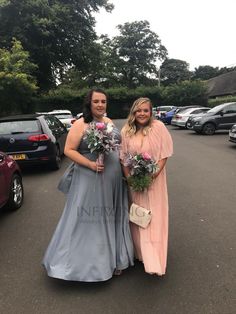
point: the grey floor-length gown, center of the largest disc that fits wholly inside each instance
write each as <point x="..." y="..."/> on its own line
<point x="92" y="238"/>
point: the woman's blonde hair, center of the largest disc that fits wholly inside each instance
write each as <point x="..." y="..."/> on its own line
<point x="130" y="128"/>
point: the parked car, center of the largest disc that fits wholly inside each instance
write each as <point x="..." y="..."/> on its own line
<point x="182" y="108"/>
<point x="221" y="117"/>
<point x="181" y="117"/>
<point x="79" y="115"/>
<point x="154" y="111"/>
<point x="166" y="117"/>
<point x="232" y="134"/>
<point x="33" y="139"/>
<point x="161" y="110"/>
<point x="11" y="186"/>
<point x="189" y="123"/>
<point x="65" y="116"/>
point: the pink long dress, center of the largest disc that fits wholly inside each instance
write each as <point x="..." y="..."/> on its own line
<point x="151" y="243"/>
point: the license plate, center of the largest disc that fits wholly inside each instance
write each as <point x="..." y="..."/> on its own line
<point x="19" y="156"/>
<point x="232" y="134"/>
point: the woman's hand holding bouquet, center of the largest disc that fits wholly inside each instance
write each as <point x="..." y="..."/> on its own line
<point x="142" y="168"/>
<point x="100" y="139"/>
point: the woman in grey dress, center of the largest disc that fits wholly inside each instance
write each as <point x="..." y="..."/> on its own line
<point x="92" y="240"/>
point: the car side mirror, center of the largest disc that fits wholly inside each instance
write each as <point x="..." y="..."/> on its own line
<point x="221" y="113"/>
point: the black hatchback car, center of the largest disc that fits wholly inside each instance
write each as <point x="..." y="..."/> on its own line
<point x="33" y="139"/>
<point x="221" y="117"/>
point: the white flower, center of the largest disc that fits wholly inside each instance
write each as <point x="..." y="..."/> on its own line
<point x="110" y="127"/>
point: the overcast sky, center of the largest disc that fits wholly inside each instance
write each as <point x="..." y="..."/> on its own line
<point x="200" y="32"/>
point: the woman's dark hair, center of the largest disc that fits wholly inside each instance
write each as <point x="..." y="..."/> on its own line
<point x="87" y="114"/>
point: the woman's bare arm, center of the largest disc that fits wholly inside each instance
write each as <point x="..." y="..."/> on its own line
<point x="161" y="164"/>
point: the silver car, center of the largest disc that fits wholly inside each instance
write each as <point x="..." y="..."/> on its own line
<point x="65" y="116"/>
<point x="180" y="118"/>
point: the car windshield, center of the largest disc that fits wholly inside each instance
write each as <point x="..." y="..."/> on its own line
<point x="191" y="110"/>
<point x="178" y="110"/>
<point x="22" y="126"/>
<point x="199" y="110"/>
<point x="185" y="110"/>
<point x="216" y="109"/>
<point x="164" y="108"/>
<point x="63" y="115"/>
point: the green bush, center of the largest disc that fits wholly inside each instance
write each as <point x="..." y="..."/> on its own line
<point x="120" y="99"/>
<point x="220" y="100"/>
<point x="186" y="93"/>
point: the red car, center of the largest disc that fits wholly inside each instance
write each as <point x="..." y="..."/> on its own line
<point x="11" y="187"/>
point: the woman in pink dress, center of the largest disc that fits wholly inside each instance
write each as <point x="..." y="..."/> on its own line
<point x="143" y="134"/>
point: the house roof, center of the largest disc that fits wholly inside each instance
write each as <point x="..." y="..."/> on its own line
<point x="222" y="85"/>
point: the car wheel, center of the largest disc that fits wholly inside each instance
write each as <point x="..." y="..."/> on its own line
<point x="56" y="163"/>
<point x="209" y="129"/>
<point x="16" y="195"/>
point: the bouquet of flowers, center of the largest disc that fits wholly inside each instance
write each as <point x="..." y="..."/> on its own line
<point x="101" y="139"/>
<point x="142" y="166"/>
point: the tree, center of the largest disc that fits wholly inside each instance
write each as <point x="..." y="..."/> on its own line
<point x="226" y="70"/>
<point x="205" y="72"/>
<point x="125" y="60"/>
<point x="174" y="71"/>
<point x="102" y="72"/>
<point x="134" y="54"/>
<point x="186" y="93"/>
<point x="58" y="34"/>
<point x="17" y="85"/>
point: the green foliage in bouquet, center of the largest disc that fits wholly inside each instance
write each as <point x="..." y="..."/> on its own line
<point x="142" y="167"/>
<point x="139" y="183"/>
<point x="100" y="137"/>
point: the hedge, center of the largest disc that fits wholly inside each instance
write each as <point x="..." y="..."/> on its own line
<point x="122" y="98"/>
<point x="220" y="100"/>
<point x="119" y="99"/>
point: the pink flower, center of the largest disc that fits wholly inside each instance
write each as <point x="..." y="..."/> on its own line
<point x="146" y="156"/>
<point x="100" y="125"/>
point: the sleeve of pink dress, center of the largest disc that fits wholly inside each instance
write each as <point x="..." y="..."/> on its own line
<point x="151" y="243"/>
<point x="123" y="146"/>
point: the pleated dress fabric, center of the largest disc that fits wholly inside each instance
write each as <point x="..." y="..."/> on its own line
<point x="93" y="237"/>
<point x="151" y="244"/>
